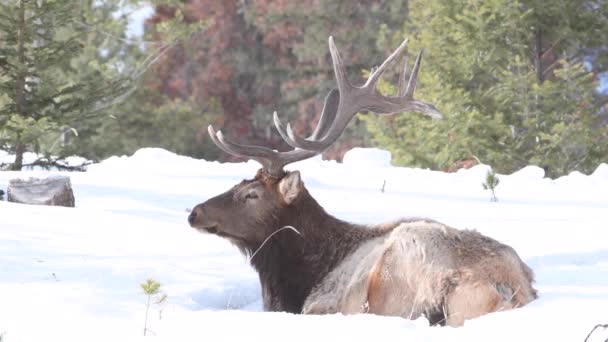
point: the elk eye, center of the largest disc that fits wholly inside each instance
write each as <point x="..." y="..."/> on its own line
<point x="251" y="195"/>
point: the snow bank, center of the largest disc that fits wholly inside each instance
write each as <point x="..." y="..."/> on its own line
<point x="367" y="157"/>
<point x="73" y="274"/>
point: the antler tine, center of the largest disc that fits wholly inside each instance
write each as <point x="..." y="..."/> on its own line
<point x="401" y="87"/>
<point x="328" y="115"/>
<point x="218" y="143"/>
<point x="250" y="151"/>
<point x="273" y="161"/>
<point x="260" y="154"/>
<point x="343" y="82"/>
<point x="265" y="156"/>
<point x="355" y="99"/>
<point x="411" y="84"/>
<point x="375" y="76"/>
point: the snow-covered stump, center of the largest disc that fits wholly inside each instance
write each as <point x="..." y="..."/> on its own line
<point x="54" y="191"/>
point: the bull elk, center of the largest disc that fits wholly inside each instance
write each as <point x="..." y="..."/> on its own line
<point x="407" y="268"/>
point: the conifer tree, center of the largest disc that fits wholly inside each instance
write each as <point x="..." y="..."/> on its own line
<point x="47" y="99"/>
<point x="490" y="183"/>
<point x="516" y="80"/>
<point x="151" y="289"/>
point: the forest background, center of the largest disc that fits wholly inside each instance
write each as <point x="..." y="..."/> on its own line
<point x="519" y="82"/>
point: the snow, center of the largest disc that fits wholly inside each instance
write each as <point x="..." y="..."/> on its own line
<point x="367" y="157"/>
<point x="73" y="274"/>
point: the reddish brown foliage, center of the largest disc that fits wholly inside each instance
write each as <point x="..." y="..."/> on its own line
<point x="244" y="61"/>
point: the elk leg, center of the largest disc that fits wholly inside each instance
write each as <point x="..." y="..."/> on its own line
<point x="388" y="292"/>
<point x="472" y="299"/>
<point x="436" y="317"/>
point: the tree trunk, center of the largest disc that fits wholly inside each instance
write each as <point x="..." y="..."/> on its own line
<point x="19" y="151"/>
<point x="538" y="54"/>
<point x="20" y="86"/>
<point x="538" y="64"/>
<point x="146" y="321"/>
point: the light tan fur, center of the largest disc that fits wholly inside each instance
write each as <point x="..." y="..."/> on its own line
<point x="421" y="267"/>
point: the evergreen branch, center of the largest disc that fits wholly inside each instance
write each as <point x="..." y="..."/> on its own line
<point x="47" y="164"/>
<point x="124" y="40"/>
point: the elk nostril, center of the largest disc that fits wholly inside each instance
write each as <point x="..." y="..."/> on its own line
<point x="191" y="217"/>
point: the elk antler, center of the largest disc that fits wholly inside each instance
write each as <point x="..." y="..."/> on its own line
<point x="273" y="161"/>
<point x="339" y="108"/>
<point x="355" y="99"/>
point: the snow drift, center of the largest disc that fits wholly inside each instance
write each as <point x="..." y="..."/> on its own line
<point x="74" y="273"/>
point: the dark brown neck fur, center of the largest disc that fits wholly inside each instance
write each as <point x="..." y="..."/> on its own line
<point x="291" y="265"/>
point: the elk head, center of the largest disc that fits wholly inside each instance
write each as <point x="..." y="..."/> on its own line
<point x="253" y="209"/>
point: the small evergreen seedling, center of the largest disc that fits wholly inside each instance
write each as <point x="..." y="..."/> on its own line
<point x="151" y="289"/>
<point x="491" y="183"/>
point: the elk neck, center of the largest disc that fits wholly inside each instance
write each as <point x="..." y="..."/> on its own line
<point x="291" y="265"/>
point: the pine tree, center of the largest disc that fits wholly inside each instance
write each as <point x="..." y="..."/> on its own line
<point x="47" y="101"/>
<point x="151" y="289"/>
<point x="490" y="183"/>
<point x="516" y="81"/>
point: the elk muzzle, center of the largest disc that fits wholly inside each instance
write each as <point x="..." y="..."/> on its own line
<point x="198" y="219"/>
<point x="192" y="217"/>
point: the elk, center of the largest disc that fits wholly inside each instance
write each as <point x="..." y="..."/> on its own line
<point x="408" y="268"/>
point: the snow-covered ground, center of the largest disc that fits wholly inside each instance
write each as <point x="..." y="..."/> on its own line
<point x="73" y="274"/>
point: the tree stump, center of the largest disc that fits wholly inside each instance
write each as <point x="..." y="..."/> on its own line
<point x="54" y="191"/>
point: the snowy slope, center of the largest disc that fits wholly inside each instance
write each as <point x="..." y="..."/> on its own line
<point x="73" y="274"/>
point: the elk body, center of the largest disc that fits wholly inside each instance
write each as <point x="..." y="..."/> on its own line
<point x="407" y="268"/>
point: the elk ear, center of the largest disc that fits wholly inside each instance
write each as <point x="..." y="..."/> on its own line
<point x="290" y="186"/>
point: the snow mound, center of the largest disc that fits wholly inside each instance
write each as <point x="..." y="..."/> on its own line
<point x="477" y="172"/>
<point x="156" y="160"/>
<point x="367" y="157"/>
<point x="574" y="178"/>
<point x="529" y="173"/>
<point x="601" y="173"/>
